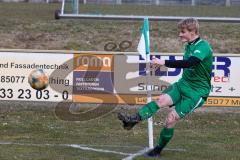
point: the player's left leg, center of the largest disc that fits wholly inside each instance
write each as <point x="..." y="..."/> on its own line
<point x="166" y="133"/>
<point x="147" y="111"/>
<point x="171" y="95"/>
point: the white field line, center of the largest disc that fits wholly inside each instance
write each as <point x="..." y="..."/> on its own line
<point x="142" y="152"/>
<point x="110" y="146"/>
<point x="96" y="150"/>
<point x="87" y="148"/>
<point x="82" y="147"/>
<point x="139" y="153"/>
<point x="113" y="146"/>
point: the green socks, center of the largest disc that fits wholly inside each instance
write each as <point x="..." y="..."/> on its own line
<point x="148" y="110"/>
<point x="165" y="136"/>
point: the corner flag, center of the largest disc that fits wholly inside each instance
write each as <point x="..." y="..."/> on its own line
<point x="144" y="43"/>
<point x="144" y="50"/>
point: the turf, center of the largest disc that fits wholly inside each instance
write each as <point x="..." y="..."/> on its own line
<point x="202" y="135"/>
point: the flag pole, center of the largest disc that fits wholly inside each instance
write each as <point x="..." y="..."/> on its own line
<point x="149" y="96"/>
<point x="149" y="99"/>
<point x="144" y="50"/>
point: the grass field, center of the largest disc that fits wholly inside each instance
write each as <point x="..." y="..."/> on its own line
<point x="36" y="133"/>
<point x="32" y="26"/>
<point x="31" y="130"/>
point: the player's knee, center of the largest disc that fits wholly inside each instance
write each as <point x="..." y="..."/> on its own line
<point x="164" y="100"/>
<point x="172" y="119"/>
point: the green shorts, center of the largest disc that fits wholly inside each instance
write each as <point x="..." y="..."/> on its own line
<point x="184" y="98"/>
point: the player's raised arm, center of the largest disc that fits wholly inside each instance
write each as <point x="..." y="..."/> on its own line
<point x="192" y="61"/>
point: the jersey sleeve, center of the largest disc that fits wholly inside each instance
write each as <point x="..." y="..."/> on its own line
<point x="201" y="51"/>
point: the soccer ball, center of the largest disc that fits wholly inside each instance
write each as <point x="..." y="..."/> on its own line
<point x="38" y="79"/>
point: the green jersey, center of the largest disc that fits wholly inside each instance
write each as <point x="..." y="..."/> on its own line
<point x="199" y="77"/>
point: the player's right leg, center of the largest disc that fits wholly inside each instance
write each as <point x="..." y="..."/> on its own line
<point x="166" y="134"/>
<point x="147" y="111"/>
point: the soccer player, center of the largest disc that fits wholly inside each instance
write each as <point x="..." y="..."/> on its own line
<point x="185" y="95"/>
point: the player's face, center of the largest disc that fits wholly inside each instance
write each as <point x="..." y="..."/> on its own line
<point x="185" y="35"/>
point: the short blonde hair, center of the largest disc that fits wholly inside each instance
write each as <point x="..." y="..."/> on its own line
<point x="191" y="24"/>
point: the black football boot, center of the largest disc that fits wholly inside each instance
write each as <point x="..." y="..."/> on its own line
<point x="129" y="121"/>
<point x="155" y="152"/>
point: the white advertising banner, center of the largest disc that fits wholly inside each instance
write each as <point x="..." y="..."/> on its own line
<point x="15" y="68"/>
<point x="225" y="80"/>
<point x="130" y="79"/>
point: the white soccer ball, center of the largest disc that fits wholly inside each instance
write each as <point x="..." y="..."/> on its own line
<point x="38" y="79"/>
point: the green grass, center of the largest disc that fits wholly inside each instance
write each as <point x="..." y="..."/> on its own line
<point x="202" y="135"/>
<point x="32" y="26"/>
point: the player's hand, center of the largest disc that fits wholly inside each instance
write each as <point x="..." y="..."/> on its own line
<point x="157" y="61"/>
